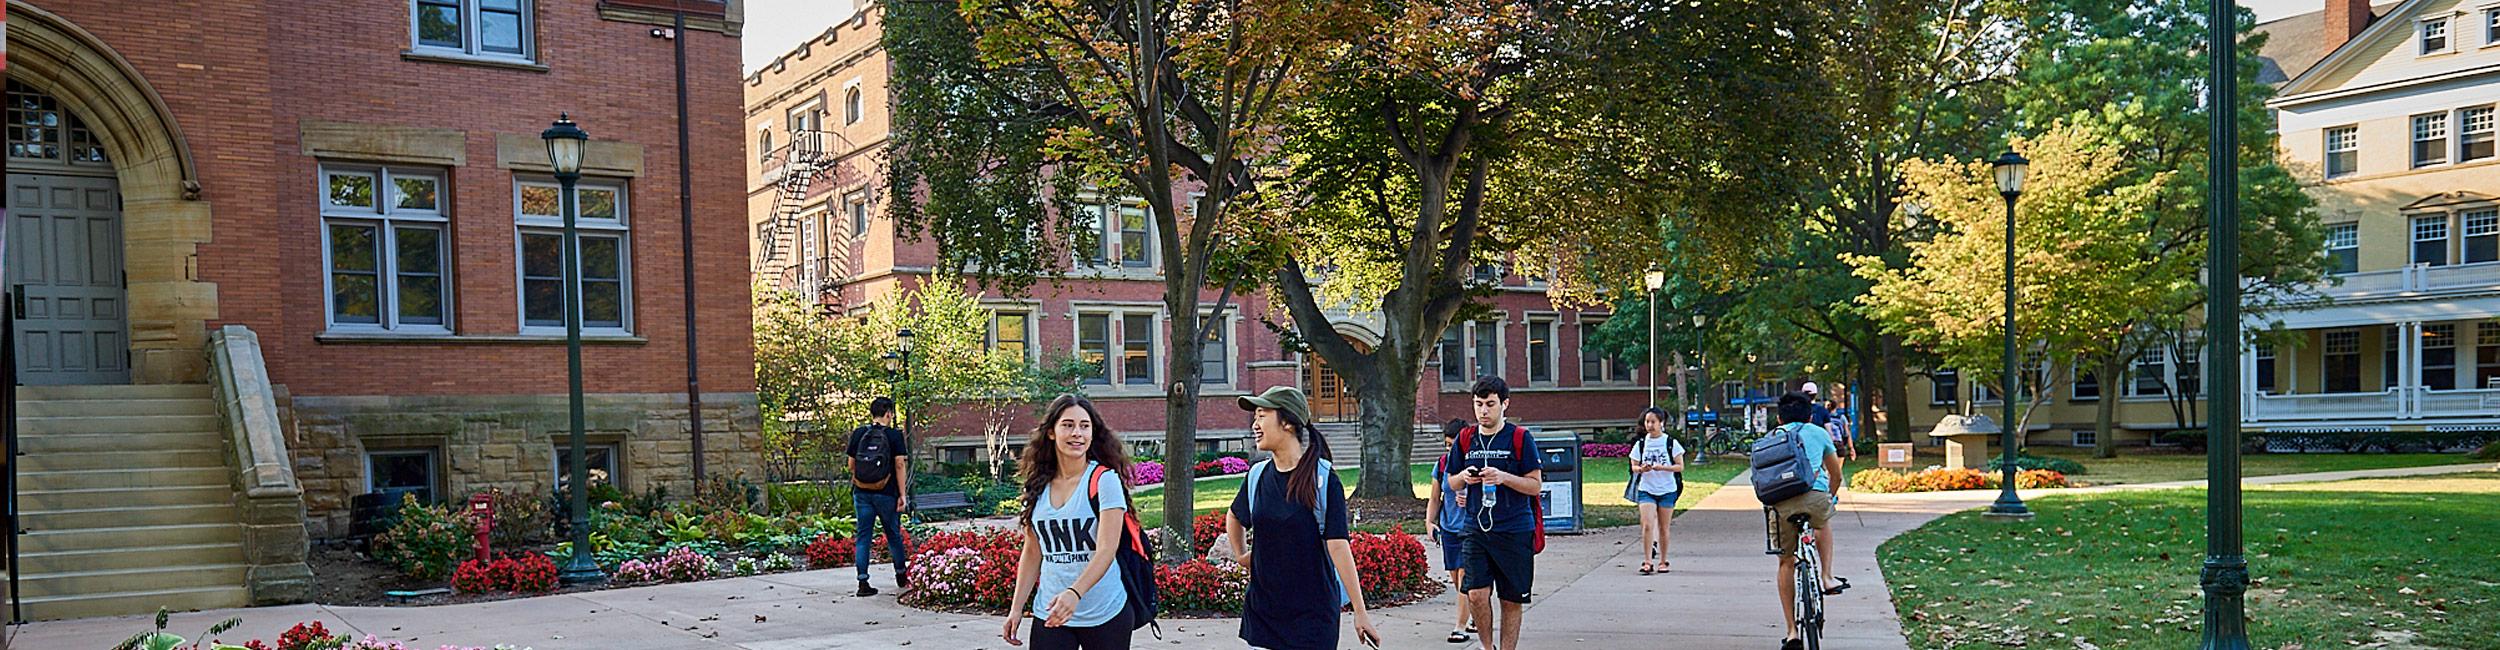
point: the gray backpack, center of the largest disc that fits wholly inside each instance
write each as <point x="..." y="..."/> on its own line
<point x="1781" y="470"/>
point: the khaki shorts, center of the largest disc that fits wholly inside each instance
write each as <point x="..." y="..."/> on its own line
<point x="1816" y="506"/>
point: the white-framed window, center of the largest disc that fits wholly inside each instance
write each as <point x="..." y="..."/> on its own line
<point x="809" y="116"/>
<point x="606" y="263"/>
<point x="854" y="105"/>
<point x="1215" y="351"/>
<point x="2265" y="369"/>
<point x="1114" y="233"/>
<point x="1944" y="387"/>
<point x="1453" y="353"/>
<point x="1119" y="346"/>
<point x="404" y="470"/>
<point x="810" y="249"/>
<point x="384" y="252"/>
<point x="764" y="143"/>
<point x="1485" y="338"/>
<point x="2482" y="235"/>
<point x="2390" y="343"/>
<point x="1541" y="351"/>
<point x="1136" y="236"/>
<point x="602" y="457"/>
<point x="1491" y="274"/>
<point x="2087" y="438"/>
<point x="2433" y="35"/>
<point x="2491" y="27"/>
<point x="1012" y="331"/>
<point x="855" y="205"/>
<point x="2486" y="355"/>
<point x="2086" y="386"/>
<point x="2430" y="240"/>
<point x="2474" y="134"/>
<point x="40" y="129"/>
<point x="2187" y="369"/>
<point x="2150" y="372"/>
<point x="1595" y="366"/>
<point x="495" y="29"/>
<point x="2430" y="139"/>
<point x="2439" y="356"/>
<point x="2343" y="151"/>
<point x="2342" y="356"/>
<point x="2343" y="246"/>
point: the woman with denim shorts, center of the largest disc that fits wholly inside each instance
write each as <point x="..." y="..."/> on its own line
<point x="1450" y="520"/>
<point x="1657" y="464"/>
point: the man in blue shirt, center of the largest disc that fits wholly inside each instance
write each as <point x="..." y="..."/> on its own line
<point x="1495" y="467"/>
<point x="1795" y="409"/>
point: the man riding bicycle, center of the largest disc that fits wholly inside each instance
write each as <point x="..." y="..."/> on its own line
<point x="1795" y="409"/>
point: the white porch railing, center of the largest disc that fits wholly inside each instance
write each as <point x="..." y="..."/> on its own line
<point x="2457" y="403"/>
<point x="2330" y="406"/>
<point x="2416" y="279"/>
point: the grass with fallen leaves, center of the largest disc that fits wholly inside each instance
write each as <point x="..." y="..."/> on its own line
<point x="2396" y="563"/>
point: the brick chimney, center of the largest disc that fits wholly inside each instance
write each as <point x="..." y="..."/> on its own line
<point x="2344" y="20"/>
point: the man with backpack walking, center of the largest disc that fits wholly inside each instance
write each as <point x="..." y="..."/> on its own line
<point x="1494" y="464"/>
<point x="880" y="463"/>
<point x="1796" y="470"/>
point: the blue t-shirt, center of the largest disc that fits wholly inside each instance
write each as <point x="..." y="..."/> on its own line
<point x="1510" y="449"/>
<point x="1066" y="535"/>
<point x="1454" y="519"/>
<point x="1818" y="446"/>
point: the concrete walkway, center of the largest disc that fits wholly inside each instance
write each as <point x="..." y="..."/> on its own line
<point x="1589" y="595"/>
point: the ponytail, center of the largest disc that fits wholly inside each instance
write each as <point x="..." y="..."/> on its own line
<point x="1303" y="486"/>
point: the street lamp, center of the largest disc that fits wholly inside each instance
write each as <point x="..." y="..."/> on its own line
<point x="564" y="154"/>
<point x="1653" y="279"/>
<point x="2225" y="575"/>
<point x="2011" y="169"/>
<point x="901" y="363"/>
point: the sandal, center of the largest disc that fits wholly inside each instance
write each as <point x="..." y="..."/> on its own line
<point x="1835" y="591"/>
<point x="1647" y="568"/>
<point x="1458" y="636"/>
<point x="1662" y="566"/>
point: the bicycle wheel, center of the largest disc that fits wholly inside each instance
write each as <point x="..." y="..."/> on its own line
<point x="1809" y="599"/>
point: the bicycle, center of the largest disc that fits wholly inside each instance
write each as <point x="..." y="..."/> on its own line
<point x="1808" y="577"/>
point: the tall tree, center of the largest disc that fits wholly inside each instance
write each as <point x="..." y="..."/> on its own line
<point x="1559" y="139"/>
<point x="1009" y="106"/>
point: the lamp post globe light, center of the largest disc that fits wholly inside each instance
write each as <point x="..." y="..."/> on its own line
<point x="2011" y="170"/>
<point x="565" y="142"/>
<point x="1653" y="279"/>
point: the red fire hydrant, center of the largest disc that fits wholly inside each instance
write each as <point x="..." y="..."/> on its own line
<point x="482" y="511"/>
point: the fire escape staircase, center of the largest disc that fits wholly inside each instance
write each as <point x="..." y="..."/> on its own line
<point x="801" y="166"/>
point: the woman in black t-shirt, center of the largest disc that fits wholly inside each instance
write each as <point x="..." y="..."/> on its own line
<point x="1297" y="508"/>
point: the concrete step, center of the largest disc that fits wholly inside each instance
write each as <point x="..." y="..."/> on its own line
<point x="35" y="564"/>
<point x="38" y="444"/>
<point x="105" y="581"/>
<point x="206" y="455"/>
<point x="132" y="537"/>
<point x="182" y="599"/>
<point x="82" y="407"/>
<point x="88" y="479"/>
<point x="114" y="392"/>
<point x="117" y="424"/>
<point x="182" y="495"/>
<point x="129" y="516"/>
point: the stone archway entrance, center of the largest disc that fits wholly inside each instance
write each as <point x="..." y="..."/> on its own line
<point x="122" y="162"/>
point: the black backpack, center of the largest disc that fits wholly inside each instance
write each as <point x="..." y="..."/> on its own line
<point x="872" y="464"/>
<point x="1781" y="470"/>
<point x="1133" y="558"/>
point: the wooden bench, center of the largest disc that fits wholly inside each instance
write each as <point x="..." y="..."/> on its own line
<point x="940" y="501"/>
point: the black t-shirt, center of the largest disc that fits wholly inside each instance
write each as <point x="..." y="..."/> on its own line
<point x="1512" y="511"/>
<point x="1289" y="567"/>
<point x="896" y="447"/>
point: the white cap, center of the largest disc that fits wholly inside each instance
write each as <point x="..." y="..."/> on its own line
<point x="1810" y="389"/>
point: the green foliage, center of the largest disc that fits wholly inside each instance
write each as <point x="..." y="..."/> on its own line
<point x="2488" y="452"/>
<point x="805" y="497"/>
<point x="426" y="541"/>
<point x="520" y="520"/>
<point x="2027" y="461"/>
<point x="159" y="639"/>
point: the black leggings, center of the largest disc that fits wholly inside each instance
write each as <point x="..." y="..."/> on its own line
<point x="1110" y="635"/>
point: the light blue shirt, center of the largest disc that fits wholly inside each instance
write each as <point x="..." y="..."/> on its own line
<point x="1066" y="535"/>
<point x="1818" y="446"/>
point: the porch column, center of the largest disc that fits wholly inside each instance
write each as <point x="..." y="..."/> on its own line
<point x="2248" y="378"/>
<point x="2409" y="369"/>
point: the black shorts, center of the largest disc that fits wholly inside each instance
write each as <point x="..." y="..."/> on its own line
<point x="1502" y="561"/>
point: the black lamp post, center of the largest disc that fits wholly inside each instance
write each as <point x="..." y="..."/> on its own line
<point x="2225" y="576"/>
<point x="1653" y="279"/>
<point x="898" y="364"/>
<point x="2011" y="169"/>
<point x="564" y="153"/>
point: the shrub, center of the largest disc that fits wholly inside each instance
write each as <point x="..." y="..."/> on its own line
<point x="1203" y="529"/>
<point x="808" y="498"/>
<point x="531" y="573"/>
<point x="473" y="577"/>
<point x="2027" y="461"/>
<point x="971" y="569"/>
<point x="1878" y="480"/>
<point x="1202" y="586"/>
<point x="829" y="552"/>
<point x="1604" y="450"/>
<point x="2488" y="452"/>
<point x="426" y="541"/>
<point x="1392" y="566"/>
<point x="680" y="564"/>
<point x="520" y="520"/>
<point x="309" y="635"/>
<point x="1147" y="472"/>
<point x="2032" y="479"/>
<point x="1940" y="480"/>
<point x="776" y="563"/>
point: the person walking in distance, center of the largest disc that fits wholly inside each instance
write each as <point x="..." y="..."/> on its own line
<point x="880" y="463"/>
<point x="1495" y="465"/>
<point x="1300" y="559"/>
<point x="1657" y="466"/>
<point x="1070" y="532"/>
<point x="1449" y="526"/>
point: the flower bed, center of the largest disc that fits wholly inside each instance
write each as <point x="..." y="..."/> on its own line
<point x="1150" y="472"/>
<point x="974" y="571"/>
<point x="308" y="635"/>
<point x="1877" y="480"/>
<point x="1604" y="450"/>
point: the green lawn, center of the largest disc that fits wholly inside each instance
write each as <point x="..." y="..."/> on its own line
<point x="1603" y="496"/>
<point x="2398" y="562"/>
<point x="2142" y="465"/>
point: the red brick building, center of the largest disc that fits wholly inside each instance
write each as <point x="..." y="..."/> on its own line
<point x="363" y="187"/>
<point x="817" y="123"/>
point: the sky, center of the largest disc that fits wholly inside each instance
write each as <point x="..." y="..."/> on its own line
<point x="775" y="26"/>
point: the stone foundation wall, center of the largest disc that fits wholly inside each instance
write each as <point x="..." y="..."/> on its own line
<point x="508" y="442"/>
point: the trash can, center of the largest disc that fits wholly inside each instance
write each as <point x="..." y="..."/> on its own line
<point x="1558" y="455"/>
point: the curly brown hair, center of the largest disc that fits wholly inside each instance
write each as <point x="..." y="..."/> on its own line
<point x="1040" y="462"/>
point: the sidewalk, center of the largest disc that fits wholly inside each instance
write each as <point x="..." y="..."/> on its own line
<point x="1589" y="594"/>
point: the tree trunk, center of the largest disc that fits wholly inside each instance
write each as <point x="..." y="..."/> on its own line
<point x="1386" y="402"/>
<point x="1896" y="392"/>
<point x="2105" y="414"/>
<point x="1180" y="426"/>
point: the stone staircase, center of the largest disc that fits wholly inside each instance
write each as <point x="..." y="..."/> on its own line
<point x="128" y="502"/>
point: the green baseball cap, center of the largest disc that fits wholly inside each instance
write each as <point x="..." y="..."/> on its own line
<point x="1282" y="398"/>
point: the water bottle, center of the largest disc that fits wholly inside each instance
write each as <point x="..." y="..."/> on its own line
<point x="1488" y="496"/>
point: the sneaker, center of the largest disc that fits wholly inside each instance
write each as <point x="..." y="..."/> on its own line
<point x="865" y="590"/>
